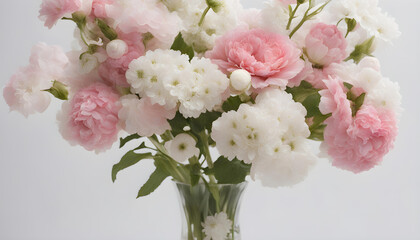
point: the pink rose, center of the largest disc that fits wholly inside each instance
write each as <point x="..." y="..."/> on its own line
<point x="364" y="143"/>
<point x="271" y="59"/>
<point x="53" y="10"/>
<point x="325" y="44"/>
<point x="90" y="118"/>
<point x="113" y="70"/>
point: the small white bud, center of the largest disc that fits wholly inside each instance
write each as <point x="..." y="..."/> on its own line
<point x="116" y="48"/>
<point x="240" y="80"/>
<point x="186" y="128"/>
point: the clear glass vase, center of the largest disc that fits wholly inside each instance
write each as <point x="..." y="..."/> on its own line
<point x="198" y="203"/>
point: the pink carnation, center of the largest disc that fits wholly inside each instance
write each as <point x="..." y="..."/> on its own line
<point x="325" y="44"/>
<point x="52" y="10"/>
<point x="272" y="59"/>
<point x="334" y="100"/>
<point x="51" y="60"/>
<point x="99" y="8"/>
<point x="90" y="118"/>
<point x="364" y="143"/>
<point x="113" y="70"/>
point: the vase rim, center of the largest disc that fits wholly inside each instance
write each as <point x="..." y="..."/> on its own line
<point x="218" y="184"/>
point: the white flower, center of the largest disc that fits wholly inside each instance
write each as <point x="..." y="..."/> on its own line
<point x="142" y="117"/>
<point x="367" y="13"/>
<point x="380" y="92"/>
<point x="240" y="80"/>
<point x="203" y="37"/>
<point x="275" y="16"/>
<point x="169" y="79"/>
<point x="182" y="147"/>
<point x="116" y="48"/>
<point x="260" y="133"/>
<point x="217" y="227"/>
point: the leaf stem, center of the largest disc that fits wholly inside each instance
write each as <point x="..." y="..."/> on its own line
<point x="292" y="16"/>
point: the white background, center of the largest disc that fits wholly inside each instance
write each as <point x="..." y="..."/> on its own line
<point x="49" y="190"/>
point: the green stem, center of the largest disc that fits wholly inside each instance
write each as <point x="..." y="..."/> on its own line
<point x="307" y="16"/>
<point x="204" y="16"/>
<point x="173" y="165"/>
<point x="292" y="16"/>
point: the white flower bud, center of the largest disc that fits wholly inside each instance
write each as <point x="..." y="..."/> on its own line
<point x="240" y="80"/>
<point x="116" y="48"/>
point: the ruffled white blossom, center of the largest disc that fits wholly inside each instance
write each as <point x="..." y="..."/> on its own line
<point x="258" y="134"/>
<point x="169" y="79"/>
<point x="182" y="147"/>
<point x="380" y="92"/>
<point x="217" y="227"/>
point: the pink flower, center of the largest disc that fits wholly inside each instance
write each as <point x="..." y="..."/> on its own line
<point x="146" y="17"/>
<point x="142" y="117"/>
<point x="52" y="10"/>
<point x="90" y="118"/>
<point x="272" y="59"/>
<point x="288" y="2"/>
<point x="334" y="100"/>
<point x="24" y="92"/>
<point x="51" y="60"/>
<point x="364" y="143"/>
<point x="99" y="8"/>
<point x="325" y="44"/>
<point x="113" y="70"/>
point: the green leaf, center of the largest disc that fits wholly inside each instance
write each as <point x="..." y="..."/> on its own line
<point x="204" y="121"/>
<point x="232" y="104"/>
<point x="362" y="50"/>
<point x="108" y="32"/>
<point x="358" y="103"/>
<point x="351" y="25"/>
<point x="230" y="172"/>
<point x="348" y="85"/>
<point x="317" y="133"/>
<point x="124" y="141"/>
<point x="301" y="92"/>
<point x="157" y="177"/>
<point x="59" y="90"/>
<point x="178" y="123"/>
<point x="128" y="160"/>
<point x="311" y="104"/>
<point x="180" y="45"/>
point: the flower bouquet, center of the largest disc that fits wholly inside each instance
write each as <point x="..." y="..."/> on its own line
<point x="184" y="77"/>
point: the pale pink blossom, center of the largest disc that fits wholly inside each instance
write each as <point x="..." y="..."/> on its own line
<point x="271" y="59"/>
<point x="288" y="2"/>
<point x="334" y="100"/>
<point x="99" y="8"/>
<point x="90" y="118"/>
<point x="113" y="70"/>
<point x="142" y="117"/>
<point x="53" y="10"/>
<point x="325" y="44"/>
<point x="24" y="92"/>
<point x="364" y="143"/>
<point x="51" y="60"/>
<point x="143" y="16"/>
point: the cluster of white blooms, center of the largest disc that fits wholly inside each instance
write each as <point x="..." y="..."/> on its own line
<point x="381" y="92"/>
<point x="217" y="227"/>
<point x="169" y="79"/>
<point x="215" y="24"/>
<point x="275" y="16"/>
<point x="372" y="20"/>
<point x="272" y="135"/>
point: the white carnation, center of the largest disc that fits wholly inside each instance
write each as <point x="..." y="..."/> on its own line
<point x="169" y="79"/>
<point x="217" y="227"/>
<point x="182" y="147"/>
<point x="260" y="133"/>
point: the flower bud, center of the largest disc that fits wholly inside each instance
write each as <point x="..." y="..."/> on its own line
<point x="240" y="80"/>
<point x="116" y="48"/>
<point x="216" y="5"/>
